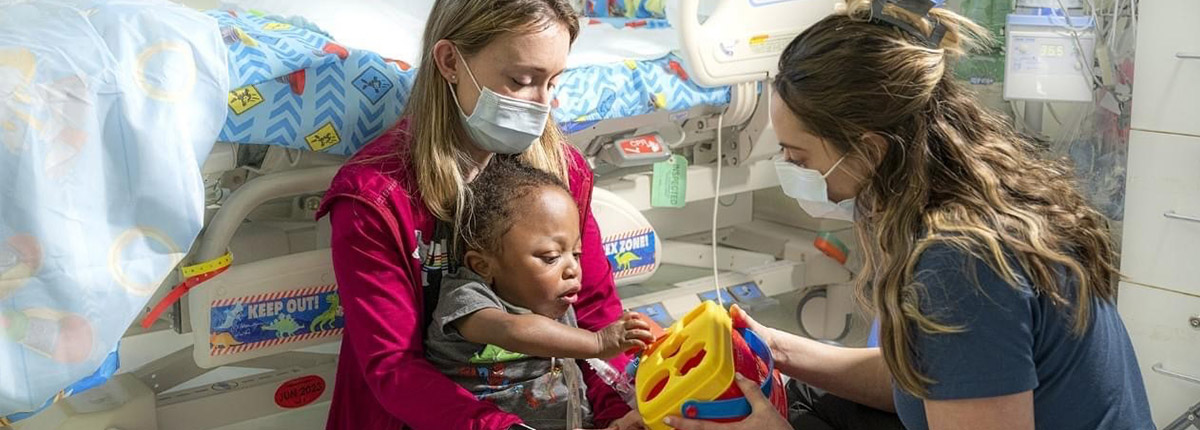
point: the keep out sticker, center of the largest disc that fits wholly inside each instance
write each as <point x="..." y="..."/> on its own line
<point x="299" y="392"/>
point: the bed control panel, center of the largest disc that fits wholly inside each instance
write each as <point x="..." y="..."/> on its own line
<point x="657" y="312"/>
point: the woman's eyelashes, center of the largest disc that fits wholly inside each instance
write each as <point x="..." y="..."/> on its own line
<point x="791" y="157"/>
<point x="522" y="82"/>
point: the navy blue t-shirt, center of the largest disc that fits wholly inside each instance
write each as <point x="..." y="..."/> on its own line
<point x="1016" y="340"/>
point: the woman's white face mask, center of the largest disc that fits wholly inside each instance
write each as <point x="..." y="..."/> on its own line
<point x="810" y="188"/>
<point x="501" y="124"/>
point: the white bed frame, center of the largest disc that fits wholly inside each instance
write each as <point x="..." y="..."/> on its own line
<point x="174" y="388"/>
<point x="741" y="40"/>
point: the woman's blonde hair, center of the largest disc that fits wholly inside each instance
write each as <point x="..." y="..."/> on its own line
<point x="952" y="172"/>
<point x="437" y="134"/>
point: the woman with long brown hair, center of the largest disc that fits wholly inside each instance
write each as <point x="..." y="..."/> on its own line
<point x="484" y="87"/>
<point x="994" y="281"/>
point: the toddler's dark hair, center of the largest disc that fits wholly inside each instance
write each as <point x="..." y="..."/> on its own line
<point x="492" y="202"/>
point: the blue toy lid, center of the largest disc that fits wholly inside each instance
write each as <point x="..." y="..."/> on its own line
<point x="736" y="407"/>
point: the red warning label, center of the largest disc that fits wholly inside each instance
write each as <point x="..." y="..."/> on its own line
<point x="648" y="144"/>
<point x="299" y="392"/>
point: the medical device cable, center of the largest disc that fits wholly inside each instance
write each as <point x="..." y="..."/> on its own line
<point x="1133" y="12"/>
<point x="293" y="161"/>
<point x="716" y="207"/>
<point x="237" y="148"/>
<point x="1112" y="24"/>
<point x="1090" y="77"/>
<point x="1053" y="114"/>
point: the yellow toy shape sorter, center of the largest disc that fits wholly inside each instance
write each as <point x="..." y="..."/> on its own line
<point x="689" y="371"/>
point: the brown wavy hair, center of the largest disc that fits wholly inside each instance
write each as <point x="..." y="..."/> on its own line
<point x="951" y="172"/>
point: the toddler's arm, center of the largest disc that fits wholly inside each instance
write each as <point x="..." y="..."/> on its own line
<point x="536" y="335"/>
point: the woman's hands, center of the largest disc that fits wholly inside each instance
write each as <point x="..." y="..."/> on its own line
<point x="742" y="319"/>
<point x="630" y="331"/>
<point x="763" y="415"/>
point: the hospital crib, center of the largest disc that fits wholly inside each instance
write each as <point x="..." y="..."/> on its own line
<point x="704" y="99"/>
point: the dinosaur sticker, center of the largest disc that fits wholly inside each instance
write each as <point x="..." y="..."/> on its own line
<point x="283" y="325"/>
<point x="625" y="260"/>
<point x="326" y="320"/>
<point x="222" y="340"/>
<point x="631" y="252"/>
<point x="230" y="317"/>
<point x="271" y="319"/>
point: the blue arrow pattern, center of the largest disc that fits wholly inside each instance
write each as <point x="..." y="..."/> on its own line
<point x="294" y="107"/>
<point x="360" y="114"/>
<point x="292" y="59"/>
<point x="251" y="65"/>
<point x="269" y="53"/>
<point x="609" y="91"/>
<point x="370" y="122"/>
<point x="284" y="121"/>
<point x="330" y="101"/>
<point x="235" y="131"/>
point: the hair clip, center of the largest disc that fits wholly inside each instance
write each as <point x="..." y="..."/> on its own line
<point x="918" y="7"/>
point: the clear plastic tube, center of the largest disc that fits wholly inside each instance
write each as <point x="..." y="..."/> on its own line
<point x="616" y="379"/>
<point x="574" y="376"/>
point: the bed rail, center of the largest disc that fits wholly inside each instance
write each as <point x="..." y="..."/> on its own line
<point x="742" y="39"/>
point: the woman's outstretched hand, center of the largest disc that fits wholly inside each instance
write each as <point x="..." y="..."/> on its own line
<point x="742" y="319"/>
<point x="763" y="415"/>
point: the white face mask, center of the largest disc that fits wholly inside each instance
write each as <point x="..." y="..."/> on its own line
<point x="810" y="189"/>
<point x="501" y="124"/>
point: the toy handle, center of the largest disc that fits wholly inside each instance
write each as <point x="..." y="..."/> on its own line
<point x="739" y="407"/>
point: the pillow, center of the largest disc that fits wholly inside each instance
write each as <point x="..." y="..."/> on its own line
<point x="390" y="28"/>
<point x="625" y="8"/>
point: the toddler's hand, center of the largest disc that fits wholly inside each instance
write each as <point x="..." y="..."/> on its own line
<point x="626" y="333"/>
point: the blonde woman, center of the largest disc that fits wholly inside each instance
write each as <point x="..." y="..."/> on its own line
<point x="483" y="88"/>
<point x="993" y="279"/>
